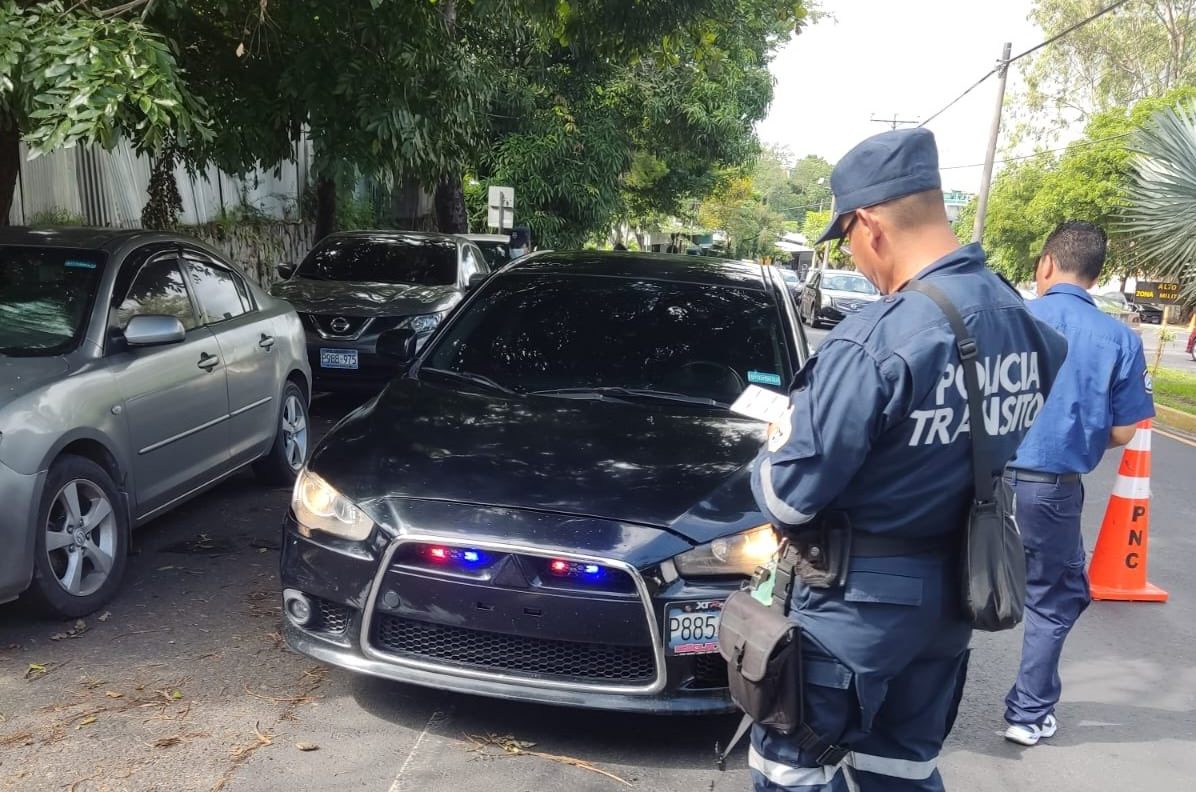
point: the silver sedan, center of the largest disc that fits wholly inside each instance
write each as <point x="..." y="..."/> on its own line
<point x="136" y="371"/>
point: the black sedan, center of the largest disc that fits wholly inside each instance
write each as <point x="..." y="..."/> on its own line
<point x="552" y="501"/>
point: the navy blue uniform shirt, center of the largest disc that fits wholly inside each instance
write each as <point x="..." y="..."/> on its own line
<point x="878" y="423"/>
<point x="1103" y="383"/>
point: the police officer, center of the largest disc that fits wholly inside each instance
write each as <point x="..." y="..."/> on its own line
<point x="877" y="438"/>
<point x="1102" y="391"/>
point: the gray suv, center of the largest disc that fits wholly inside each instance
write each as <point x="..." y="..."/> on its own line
<point x="136" y="370"/>
<point x="356" y="287"/>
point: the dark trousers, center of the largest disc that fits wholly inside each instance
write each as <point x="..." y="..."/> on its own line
<point x="885" y="663"/>
<point x="1056" y="593"/>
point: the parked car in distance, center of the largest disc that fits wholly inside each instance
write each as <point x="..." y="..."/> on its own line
<point x="1148" y="313"/>
<point x="830" y="295"/>
<point x="791" y="280"/>
<point x="136" y="370"/>
<point x="354" y="286"/>
<point x="495" y="247"/>
<point x="554" y="499"/>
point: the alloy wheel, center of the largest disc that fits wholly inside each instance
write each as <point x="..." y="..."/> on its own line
<point x="294" y="432"/>
<point x="81" y="535"/>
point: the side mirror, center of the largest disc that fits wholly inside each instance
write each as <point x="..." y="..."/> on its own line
<point x="285" y="271"/>
<point x="152" y="330"/>
<point x="397" y="345"/>
<point x="476" y="280"/>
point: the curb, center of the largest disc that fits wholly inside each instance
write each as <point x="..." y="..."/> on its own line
<point x="1175" y="419"/>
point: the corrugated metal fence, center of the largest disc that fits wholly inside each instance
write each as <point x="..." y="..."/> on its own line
<point x="108" y="188"/>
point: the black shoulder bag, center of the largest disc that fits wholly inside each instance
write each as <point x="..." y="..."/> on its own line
<point x="993" y="568"/>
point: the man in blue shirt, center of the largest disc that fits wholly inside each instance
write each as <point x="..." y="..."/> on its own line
<point x="873" y="463"/>
<point x="1102" y="392"/>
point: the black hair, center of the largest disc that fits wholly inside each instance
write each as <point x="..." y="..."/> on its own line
<point x="1078" y="248"/>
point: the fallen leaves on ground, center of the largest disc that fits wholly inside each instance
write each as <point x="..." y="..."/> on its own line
<point x="76" y="631"/>
<point x="515" y="747"/>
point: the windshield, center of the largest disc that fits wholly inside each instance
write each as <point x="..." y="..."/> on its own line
<point x="398" y="259"/>
<point x="45" y="297"/>
<point x="548" y="332"/>
<point x="848" y="283"/>
<point x="789" y="275"/>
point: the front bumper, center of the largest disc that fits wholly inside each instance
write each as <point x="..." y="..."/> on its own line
<point x="20" y="495"/>
<point x="356" y="606"/>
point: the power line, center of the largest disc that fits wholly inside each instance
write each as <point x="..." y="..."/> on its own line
<point x="1032" y="50"/>
<point x="1076" y="144"/>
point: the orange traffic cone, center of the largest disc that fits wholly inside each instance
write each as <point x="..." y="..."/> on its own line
<point x="1118" y="570"/>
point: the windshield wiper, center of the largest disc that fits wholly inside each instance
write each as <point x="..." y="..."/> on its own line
<point x="618" y="392"/>
<point x="469" y="376"/>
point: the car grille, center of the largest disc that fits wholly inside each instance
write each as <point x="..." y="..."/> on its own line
<point x="346" y="326"/>
<point x="710" y="671"/>
<point x="329" y="617"/>
<point x="499" y="652"/>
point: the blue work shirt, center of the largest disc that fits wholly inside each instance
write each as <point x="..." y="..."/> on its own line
<point x="1103" y="383"/>
<point x="878" y="422"/>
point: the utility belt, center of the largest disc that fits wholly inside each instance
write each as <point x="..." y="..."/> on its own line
<point x="820" y="554"/>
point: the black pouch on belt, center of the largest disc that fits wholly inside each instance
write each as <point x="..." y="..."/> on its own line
<point x="762" y="648"/>
<point x="820" y="555"/>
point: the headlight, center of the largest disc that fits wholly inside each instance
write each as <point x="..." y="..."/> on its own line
<point x="738" y="554"/>
<point x="318" y="507"/>
<point x="425" y="323"/>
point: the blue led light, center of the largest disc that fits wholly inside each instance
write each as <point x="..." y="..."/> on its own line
<point x="471" y="556"/>
<point x="592" y="569"/>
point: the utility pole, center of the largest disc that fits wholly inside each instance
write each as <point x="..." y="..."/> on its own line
<point x="892" y="122"/>
<point x="986" y="179"/>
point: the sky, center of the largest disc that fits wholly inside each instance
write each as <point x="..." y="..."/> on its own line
<point x="878" y="58"/>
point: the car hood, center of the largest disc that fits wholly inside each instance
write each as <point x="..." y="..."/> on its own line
<point x="355" y="298"/>
<point x="849" y="295"/>
<point x="22" y="375"/>
<point x="662" y="466"/>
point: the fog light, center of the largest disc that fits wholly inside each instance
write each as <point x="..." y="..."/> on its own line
<point x="298" y="606"/>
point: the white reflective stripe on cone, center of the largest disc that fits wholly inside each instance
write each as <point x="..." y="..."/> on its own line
<point x="1141" y="441"/>
<point x="789" y="776"/>
<point x="1132" y="488"/>
<point x="895" y="768"/>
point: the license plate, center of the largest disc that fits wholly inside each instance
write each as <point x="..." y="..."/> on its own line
<point x="692" y="627"/>
<point x="338" y="358"/>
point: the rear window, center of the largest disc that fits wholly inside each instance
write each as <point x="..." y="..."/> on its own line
<point x="46" y="296"/>
<point x="414" y="260"/>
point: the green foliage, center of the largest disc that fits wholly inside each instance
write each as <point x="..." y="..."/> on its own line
<point x="55" y="216"/>
<point x="1162" y="197"/>
<point x="1143" y="49"/>
<point x="79" y="75"/>
<point x="1088" y="181"/>
<point x="743" y="206"/>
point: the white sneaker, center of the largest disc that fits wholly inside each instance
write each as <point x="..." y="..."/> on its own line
<point x="1031" y="734"/>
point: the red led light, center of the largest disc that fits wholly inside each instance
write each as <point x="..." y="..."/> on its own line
<point x="559" y="567"/>
<point x="439" y="553"/>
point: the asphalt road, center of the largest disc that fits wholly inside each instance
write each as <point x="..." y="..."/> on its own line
<point x="184" y="685"/>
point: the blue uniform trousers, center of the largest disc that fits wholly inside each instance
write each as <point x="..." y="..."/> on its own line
<point x="885" y="663"/>
<point x="1056" y="593"/>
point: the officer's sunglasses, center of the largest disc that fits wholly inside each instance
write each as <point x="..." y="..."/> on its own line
<point x="842" y="245"/>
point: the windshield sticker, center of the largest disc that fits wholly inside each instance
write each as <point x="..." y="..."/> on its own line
<point x="75" y="264"/>
<point x="764" y="378"/>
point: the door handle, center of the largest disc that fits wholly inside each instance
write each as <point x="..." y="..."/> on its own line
<point x="266" y="343"/>
<point x="208" y="362"/>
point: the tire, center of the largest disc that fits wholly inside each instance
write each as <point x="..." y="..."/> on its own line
<point x="82" y="541"/>
<point x="291" y="440"/>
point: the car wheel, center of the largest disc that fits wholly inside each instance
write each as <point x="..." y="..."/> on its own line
<point x="286" y="457"/>
<point x="82" y="539"/>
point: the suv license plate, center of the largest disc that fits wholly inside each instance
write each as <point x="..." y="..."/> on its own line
<point x="692" y="627"/>
<point x="338" y="358"/>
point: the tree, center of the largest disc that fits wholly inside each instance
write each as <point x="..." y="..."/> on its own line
<point x="1143" y="49"/>
<point x="90" y="73"/>
<point x="811" y="181"/>
<point x="738" y="208"/>
<point x="1088" y="181"/>
<point x="1162" y="197"/>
